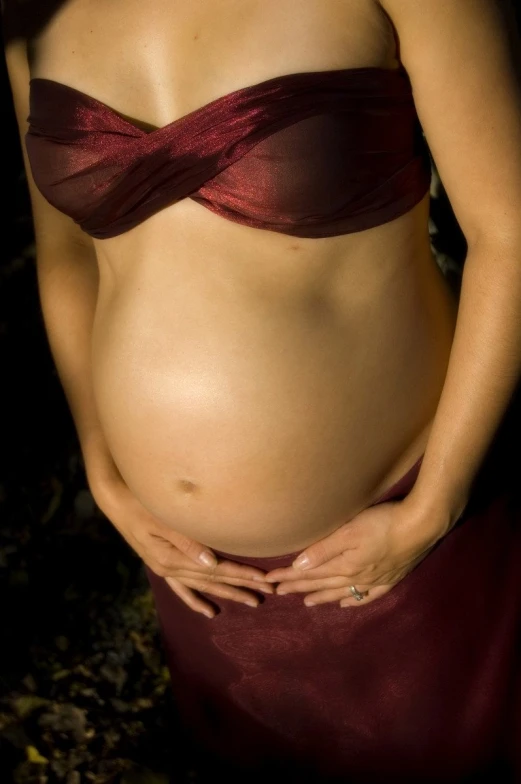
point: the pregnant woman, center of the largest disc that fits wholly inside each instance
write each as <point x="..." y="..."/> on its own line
<point x="281" y="404"/>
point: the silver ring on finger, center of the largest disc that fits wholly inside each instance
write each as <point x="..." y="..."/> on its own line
<point x="358" y="596"/>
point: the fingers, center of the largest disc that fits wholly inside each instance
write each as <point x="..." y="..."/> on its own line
<point x="240" y="571"/>
<point x="224" y="591"/>
<point x="374" y="592"/>
<point x="254" y="585"/>
<point x="325" y="549"/>
<point x="345" y="596"/>
<point x="195" y="551"/>
<point x="214" y="578"/>
<point x="305" y="586"/>
<point x="315" y="555"/>
<point x="338" y="565"/>
<point x="190" y="598"/>
<point x="168" y="558"/>
<point x="336" y="595"/>
<point x="169" y="562"/>
<point x="186" y="589"/>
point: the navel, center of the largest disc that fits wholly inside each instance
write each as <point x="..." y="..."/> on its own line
<point x="186" y="486"/>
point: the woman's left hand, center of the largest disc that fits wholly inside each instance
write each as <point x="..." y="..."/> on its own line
<point x="373" y="551"/>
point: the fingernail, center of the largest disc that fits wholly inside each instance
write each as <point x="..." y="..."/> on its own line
<point x="302" y="562"/>
<point x="309" y="602"/>
<point x="208" y="559"/>
<point x="251" y="603"/>
<point x="281" y="592"/>
<point x="258" y="578"/>
<point x="344" y="603"/>
<point x="208" y="613"/>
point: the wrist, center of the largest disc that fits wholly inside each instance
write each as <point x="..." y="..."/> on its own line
<point x="435" y="513"/>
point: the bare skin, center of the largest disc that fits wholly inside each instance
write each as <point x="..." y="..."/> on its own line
<point x="255" y="390"/>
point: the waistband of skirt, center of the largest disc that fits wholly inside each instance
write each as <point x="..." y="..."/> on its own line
<point x="396" y="492"/>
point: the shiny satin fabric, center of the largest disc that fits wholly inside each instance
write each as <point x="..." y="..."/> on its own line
<point x="311" y="154"/>
<point x="421" y="687"/>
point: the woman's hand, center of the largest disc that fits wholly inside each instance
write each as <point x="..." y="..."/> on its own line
<point x="373" y="552"/>
<point x="187" y="566"/>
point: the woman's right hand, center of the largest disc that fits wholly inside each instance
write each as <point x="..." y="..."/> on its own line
<point x="187" y="566"/>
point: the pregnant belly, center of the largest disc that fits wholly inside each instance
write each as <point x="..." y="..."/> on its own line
<point x="258" y="440"/>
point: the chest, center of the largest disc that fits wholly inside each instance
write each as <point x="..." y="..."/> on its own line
<point x="158" y="61"/>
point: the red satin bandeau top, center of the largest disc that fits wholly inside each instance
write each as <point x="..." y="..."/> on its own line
<point x="312" y="154"/>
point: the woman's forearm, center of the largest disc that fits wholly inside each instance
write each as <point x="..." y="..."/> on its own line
<point x="68" y="283"/>
<point x="483" y="370"/>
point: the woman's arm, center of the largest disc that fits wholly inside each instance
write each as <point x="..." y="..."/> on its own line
<point x="461" y="59"/>
<point x="68" y="284"/>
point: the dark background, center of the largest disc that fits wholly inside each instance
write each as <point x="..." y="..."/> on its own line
<point x="83" y="688"/>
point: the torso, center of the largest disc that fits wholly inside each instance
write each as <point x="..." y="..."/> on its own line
<point x="256" y="390"/>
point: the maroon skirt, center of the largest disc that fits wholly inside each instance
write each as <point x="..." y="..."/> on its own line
<point x="423" y="685"/>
